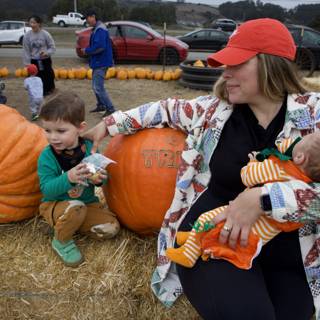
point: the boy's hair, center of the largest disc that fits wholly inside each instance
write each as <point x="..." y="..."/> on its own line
<point x="65" y="106"/>
<point x="312" y="167"/>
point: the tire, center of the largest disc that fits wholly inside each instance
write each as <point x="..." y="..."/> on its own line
<point x="202" y="78"/>
<point x="199" y="77"/>
<point x="305" y="61"/>
<point x="170" y="55"/>
<point x="21" y="41"/>
<point x="61" y="24"/>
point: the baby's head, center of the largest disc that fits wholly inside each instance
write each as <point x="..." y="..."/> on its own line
<point x="63" y="120"/>
<point x="32" y="69"/>
<point x="306" y="155"/>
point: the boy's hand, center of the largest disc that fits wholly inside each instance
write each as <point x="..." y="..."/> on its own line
<point x="79" y="174"/>
<point x="98" y="177"/>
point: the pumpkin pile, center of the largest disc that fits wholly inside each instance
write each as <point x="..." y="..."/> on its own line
<point x="141" y="184"/>
<point x="114" y="72"/>
<point x="21" y="144"/>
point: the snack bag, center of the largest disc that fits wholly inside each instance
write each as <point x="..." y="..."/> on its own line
<point x="95" y="163"/>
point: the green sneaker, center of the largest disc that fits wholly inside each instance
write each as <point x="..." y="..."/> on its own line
<point x="34" y="117"/>
<point x="68" y="252"/>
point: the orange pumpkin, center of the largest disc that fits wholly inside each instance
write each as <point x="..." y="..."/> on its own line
<point x="141" y="184"/>
<point x="22" y="142"/>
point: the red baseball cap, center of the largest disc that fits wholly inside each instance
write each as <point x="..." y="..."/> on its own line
<point x="265" y="35"/>
<point x="32" y="69"/>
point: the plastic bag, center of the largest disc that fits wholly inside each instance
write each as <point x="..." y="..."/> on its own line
<point x="95" y="163"/>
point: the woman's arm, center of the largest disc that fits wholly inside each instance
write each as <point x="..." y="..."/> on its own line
<point x="185" y="115"/>
<point x="51" y="47"/>
<point x="26" y="53"/>
<point x="294" y="200"/>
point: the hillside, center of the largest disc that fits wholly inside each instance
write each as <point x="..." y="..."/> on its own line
<point x="195" y="15"/>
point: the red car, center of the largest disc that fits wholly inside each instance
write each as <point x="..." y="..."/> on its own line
<point x="136" y="41"/>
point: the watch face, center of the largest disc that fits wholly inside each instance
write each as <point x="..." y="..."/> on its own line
<point x="265" y="203"/>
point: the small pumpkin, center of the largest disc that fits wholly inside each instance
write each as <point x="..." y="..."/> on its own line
<point x="18" y="72"/>
<point x="141" y="73"/>
<point x="141" y="184"/>
<point x="63" y="73"/>
<point x="131" y="74"/>
<point x="167" y="76"/>
<point x="198" y="63"/>
<point x="4" y="72"/>
<point x="71" y="74"/>
<point x="24" y="72"/>
<point x="122" y="74"/>
<point x="19" y="185"/>
<point x="89" y="74"/>
<point x="158" y="75"/>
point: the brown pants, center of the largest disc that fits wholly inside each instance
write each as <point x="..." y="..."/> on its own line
<point x="67" y="217"/>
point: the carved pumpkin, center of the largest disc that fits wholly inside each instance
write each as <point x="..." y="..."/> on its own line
<point x="141" y="184"/>
<point x="22" y="142"/>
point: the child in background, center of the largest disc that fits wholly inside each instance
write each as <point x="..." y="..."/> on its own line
<point x="69" y="204"/>
<point x="291" y="160"/>
<point x="35" y="90"/>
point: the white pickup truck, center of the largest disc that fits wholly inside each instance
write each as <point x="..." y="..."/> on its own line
<point x="72" y="18"/>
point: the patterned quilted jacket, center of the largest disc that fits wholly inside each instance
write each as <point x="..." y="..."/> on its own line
<point x="202" y="119"/>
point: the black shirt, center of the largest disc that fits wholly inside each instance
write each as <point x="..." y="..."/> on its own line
<point x="241" y="135"/>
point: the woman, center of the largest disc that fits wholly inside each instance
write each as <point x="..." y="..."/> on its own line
<point x="38" y="46"/>
<point x="258" y="100"/>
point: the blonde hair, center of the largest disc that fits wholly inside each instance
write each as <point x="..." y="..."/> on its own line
<point x="277" y="77"/>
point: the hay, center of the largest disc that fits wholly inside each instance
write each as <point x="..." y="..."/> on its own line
<point x="112" y="283"/>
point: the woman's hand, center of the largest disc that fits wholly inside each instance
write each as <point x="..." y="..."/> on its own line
<point x="96" y="134"/>
<point x="240" y="215"/>
<point x="79" y="174"/>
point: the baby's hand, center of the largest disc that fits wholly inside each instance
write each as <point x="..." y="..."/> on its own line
<point x="98" y="177"/>
<point x="252" y="155"/>
<point x="79" y="174"/>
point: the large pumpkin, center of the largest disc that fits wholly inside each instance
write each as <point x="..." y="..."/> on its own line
<point x="21" y="144"/>
<point x="141" y="184"/>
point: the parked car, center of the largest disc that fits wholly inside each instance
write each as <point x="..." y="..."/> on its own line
<point x="135" y="41"/>
<point x="72" y="18"/>
<point x="205" y="39"/>
<point x="224" y="24"/>
<point x="308" y="46"/>
<point x="12" y="32"/>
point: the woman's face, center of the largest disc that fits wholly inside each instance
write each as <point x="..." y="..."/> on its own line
<point x="242" y="82"/>
<point x="34" y="25"/>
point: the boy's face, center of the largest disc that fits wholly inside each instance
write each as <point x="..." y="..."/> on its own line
<point x="62" y="135"/>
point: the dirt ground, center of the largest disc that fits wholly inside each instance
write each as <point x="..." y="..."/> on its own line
<point x="124" y="94"/>
<point x="114" y="281"/>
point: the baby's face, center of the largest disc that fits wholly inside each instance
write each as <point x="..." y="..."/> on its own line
<point x="301" y="151"/>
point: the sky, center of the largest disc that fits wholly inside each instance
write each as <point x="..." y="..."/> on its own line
<point x="287" y="4"/>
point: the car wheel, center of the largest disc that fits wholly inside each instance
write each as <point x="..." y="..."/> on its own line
<point x="169" y="55"/>
<point x="21" y="41"/>
<point x="305" y="61"/>
<point x="202" y="78"/>
<point x="61" y="24"/>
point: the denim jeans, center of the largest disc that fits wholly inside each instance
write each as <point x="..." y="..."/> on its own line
<point x="102" y="96"/>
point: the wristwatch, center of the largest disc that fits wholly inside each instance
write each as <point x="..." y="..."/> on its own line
<point x="265" y="203"/>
